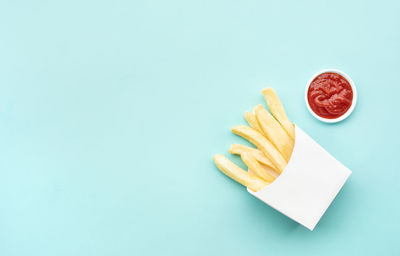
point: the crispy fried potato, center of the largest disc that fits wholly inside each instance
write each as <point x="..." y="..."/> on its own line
<point x="238" y="174"/>
<point x="276" y="107"/>
<point x="269" y="170"/>
<point x="251" y="172"/>
<point x="263" y="144"/>
<point x="274" y="132"/>
<point x="253" y="122"/>
<point x="253" y="165"/>
<point x="238" y="149"/>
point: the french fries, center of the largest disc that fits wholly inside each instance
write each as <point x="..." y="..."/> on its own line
<point x="263" y="144"/>
<point x="258" y="170"/>
<point x="277" y="110"/>
<point x="238" y="174"/>
<point x="238" y="149"/>
<point x="274" y="132"/>
<point x="253" y="122"/>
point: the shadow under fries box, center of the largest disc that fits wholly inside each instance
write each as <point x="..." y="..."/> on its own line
<point x="308" y="184"/>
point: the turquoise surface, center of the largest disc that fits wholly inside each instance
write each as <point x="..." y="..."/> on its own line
<point x="111" y="111"/>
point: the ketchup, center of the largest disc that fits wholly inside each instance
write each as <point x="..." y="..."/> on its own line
<point x="330" y="95"/>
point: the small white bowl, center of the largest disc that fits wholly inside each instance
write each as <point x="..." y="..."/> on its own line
<point x="353" y="103"/>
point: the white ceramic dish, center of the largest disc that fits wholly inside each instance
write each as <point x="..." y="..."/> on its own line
<point x="353" y="104"/>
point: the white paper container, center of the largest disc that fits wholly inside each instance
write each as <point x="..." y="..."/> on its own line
<point x="308" y="185"/>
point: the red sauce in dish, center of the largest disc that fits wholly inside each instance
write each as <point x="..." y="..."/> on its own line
<point x="330" y="95"/>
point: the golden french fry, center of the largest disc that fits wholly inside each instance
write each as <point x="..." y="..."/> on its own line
<point x="252" y="120"/>
<point x="276" y="107"/>
<point x="269" y="170"/>
<point x="253" y="165"/>
<point x="251" y="172"/>
<point x="238" y="174"/>
<point x="263" y="144"/>
<point x="274" y="132"/>
<point x="238" y="149"/>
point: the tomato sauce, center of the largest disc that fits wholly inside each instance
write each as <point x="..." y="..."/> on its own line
<point x="330" y="95"/>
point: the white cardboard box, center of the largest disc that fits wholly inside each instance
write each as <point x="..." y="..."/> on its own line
<point x="309" y="183"/>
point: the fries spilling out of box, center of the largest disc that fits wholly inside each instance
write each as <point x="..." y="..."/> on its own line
<point x="287" y="170"/>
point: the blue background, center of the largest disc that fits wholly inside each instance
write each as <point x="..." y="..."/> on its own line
<point x="111" y="111"/>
